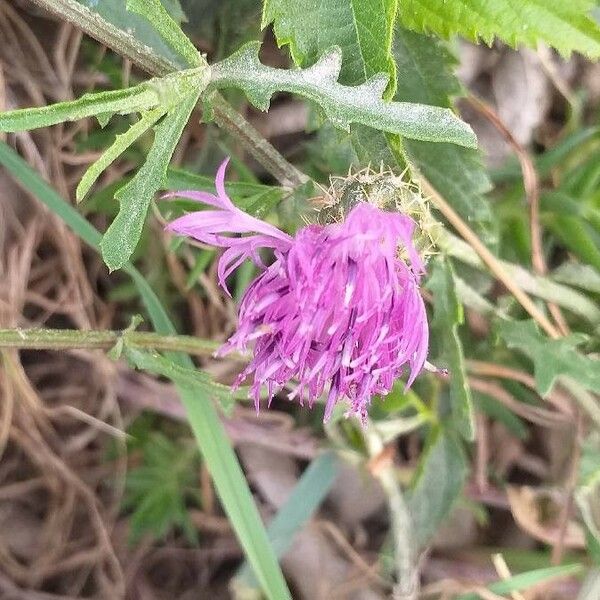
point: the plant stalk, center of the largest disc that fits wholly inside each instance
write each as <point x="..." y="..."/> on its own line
<point x="71" y="339"/>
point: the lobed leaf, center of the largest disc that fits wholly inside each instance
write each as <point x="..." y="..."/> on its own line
<point x="361" y="28"/>
<point x="551" y="358"/>
<point x="342" y="104"/>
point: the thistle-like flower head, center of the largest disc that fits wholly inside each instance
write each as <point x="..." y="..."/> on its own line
<point x="339" y="309"/>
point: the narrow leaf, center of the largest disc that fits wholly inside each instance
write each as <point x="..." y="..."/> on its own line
<point x="169" y="30"/>
<point x="123" y="235"/>
<point x="121" y="143"/>
<point x="133" y="99"/>
<point x="523" y="581"/>
<point x="193" y="379"/>
<point x="343" y="105"/>
<point x="447" y="316"/>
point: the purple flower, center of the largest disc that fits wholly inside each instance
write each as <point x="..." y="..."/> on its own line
<point x="338" y="310"/>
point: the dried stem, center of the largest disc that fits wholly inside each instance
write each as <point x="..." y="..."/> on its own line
<point x="532" y="193"/>
<point x="491" y="261"/>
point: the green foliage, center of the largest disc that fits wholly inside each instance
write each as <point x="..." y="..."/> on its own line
<point x="138" y="27"/>
<point x="122" y="236"/>
<point x="562" y="25"/>
<point x="437" y="484"/>
<point x="523" y="581"/>
<point x="425" y="75"/>
<point x="361" y="28"/>
<point x="159" y="491"/>
<point x="307" y="495"/>
<point x="187" y="377"/>
<point x="168" y="29"/>
<point x="551" y="358"/>
<point x="343" y="105"/>
<point x="129" y="100"/>
<point x="121" y="143"/>
<point x="214" y="445"/>
<point x="447" y="316"/>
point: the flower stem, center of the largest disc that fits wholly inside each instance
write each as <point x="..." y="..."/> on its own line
<point x="401" y="523"/>
<point x="70" y="339"/>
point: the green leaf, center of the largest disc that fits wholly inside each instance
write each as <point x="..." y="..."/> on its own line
<point x="564" y="25"/>
<point x="307" y="495"/>
<point x="133" y="99"/>
<point x="121" y="143"/>
<point x="523" y="581"/>
<point x="157" y="491"/>
<point x="123" y="235"/>
<point x="361" y="28"/>
<point x="137" y="27"/>
<point x="169" y="30"/>
<point x="343" y="105"/>
<point x="220" y="458"/>
<point x="447" y="316"/>
<point x="192" y="379"/>
<point x="551" y="358"/>
<point x="437" y="484"/>
<point x="425" y="74"/>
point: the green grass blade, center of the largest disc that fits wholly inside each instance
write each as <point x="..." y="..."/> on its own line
<point x="220" y="458"/>
<point x="304" y="500"/>
<point x="523" y="581"/>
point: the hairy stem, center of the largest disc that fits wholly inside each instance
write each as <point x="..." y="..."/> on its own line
<point x="70" y="339"/>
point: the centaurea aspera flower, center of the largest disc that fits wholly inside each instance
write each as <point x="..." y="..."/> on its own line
<point x="339" y="311"/>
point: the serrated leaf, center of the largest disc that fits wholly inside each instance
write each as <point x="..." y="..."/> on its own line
<point x="169" y="30"/>
<point x="343" y="105"/>
<point x="121" y="143"/>
<point x="133" y="99"/>
<point x="562" y="24"/>
<point x="361" y="28"/>
<point x="155" y="363"/>
<point x="447" y="316"/>
<point x="121" y="238"/>
<point x="437" y="484"/>
<point x="551" y="358"/>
